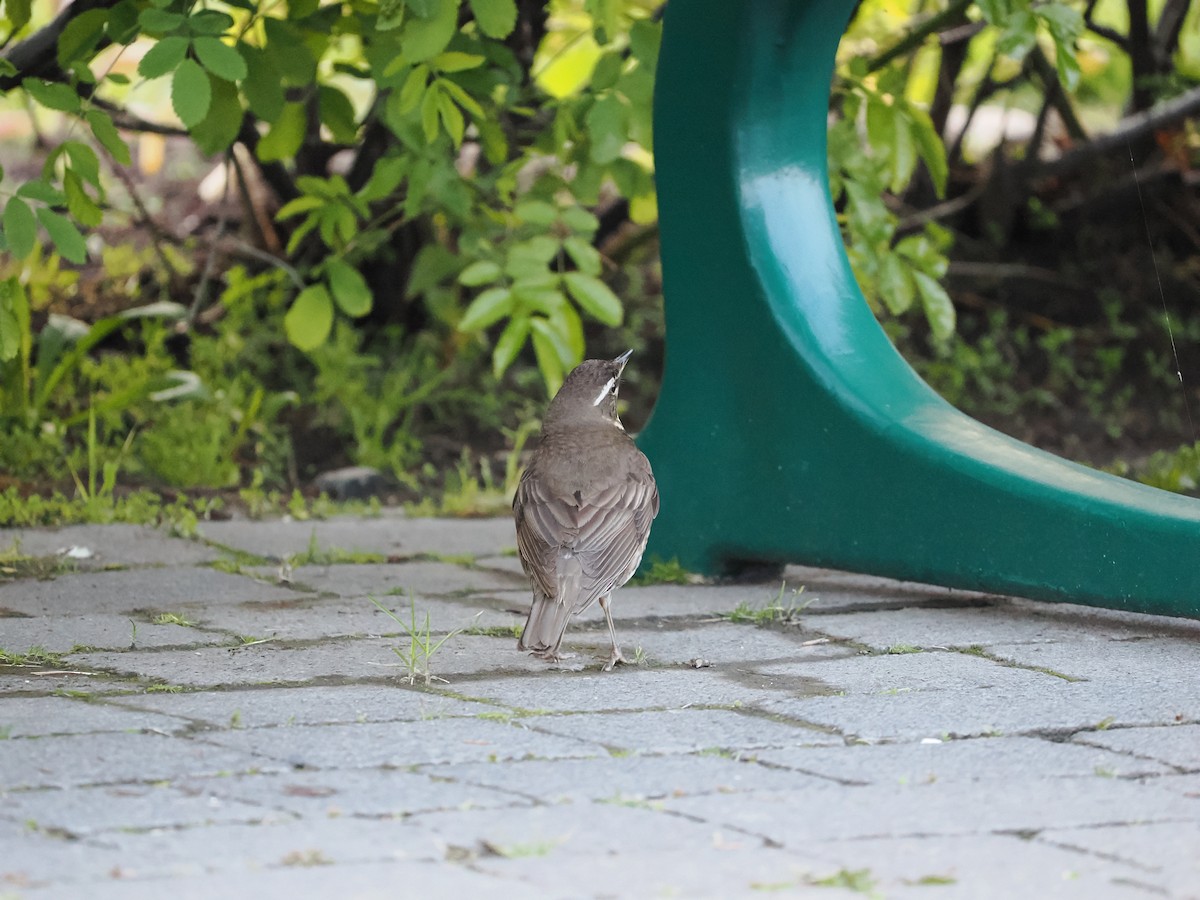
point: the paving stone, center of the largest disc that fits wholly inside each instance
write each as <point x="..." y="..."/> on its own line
<point x="88" y="811"/>
<point x="39" y="716"/>
<point x="796" y="818"/>
<point x="964" y="627"/>
<point x="391" y="534"/>
<point x="395" y="580"/>
<point x="1059" y="707"/>
<point x="978" y="759"/>
<point x="401" y="743"/>
<point x="82" y="759"/>
<point x="179" y="590"/>
<point x="1113" y="661"/>
<point x="568" y="831"/>
<point x="682" y="731"/>
<point x="38" y="864"/>
<point x="125" y="545"/>
<point x="980" y="867"/>
<point x="833" y="590"/>
<point x="1162" y="855"/>
<point x="1175" y="745"/>
<point x="278" y="662"/>
<point x="60" y="634"/>
<point x="311" y="617"/>
<point x="934" y="670"/>
<point x="353" y="792"/>
<point x="632" y="688"/>
<point x="627" y="780"/>
<point x="327" y="704"/>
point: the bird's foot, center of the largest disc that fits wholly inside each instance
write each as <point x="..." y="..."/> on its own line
<point x="552" y="657"/>
<point x="615" y="657"/>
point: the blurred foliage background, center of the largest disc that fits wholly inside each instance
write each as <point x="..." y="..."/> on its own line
<point x="249" y="242"/>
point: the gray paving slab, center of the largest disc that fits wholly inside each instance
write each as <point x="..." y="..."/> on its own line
<point x="401" y="743"/>
<point x="321" y="705"/>
<point x="385" y="580"/>
<point x="1174" y="745"/>
<point x="1162" y="855"/>
<point x="310" y="617"/>
<point x="174" y="589"/>
<point x="277" y="748"/>
<point x="977" y="759"/>
<point x="629" y="779"/>
<point x="393" y="535"/>
<point x="41" y="716"/>
<point x="81" y="759"/>
<point x="62" y="634"/>
<point x="1055" y="706"/>
<point x="108" y="545"/>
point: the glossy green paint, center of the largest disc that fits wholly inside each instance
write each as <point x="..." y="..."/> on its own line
<point x="788" y="428"/>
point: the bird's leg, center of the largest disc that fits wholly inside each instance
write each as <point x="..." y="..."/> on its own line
<point x="615" y="656"/>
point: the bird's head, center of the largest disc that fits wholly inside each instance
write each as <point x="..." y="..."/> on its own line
<point x="589" y="393"/>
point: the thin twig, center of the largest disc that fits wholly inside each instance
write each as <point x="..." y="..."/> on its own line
<point x="916" y="37"/>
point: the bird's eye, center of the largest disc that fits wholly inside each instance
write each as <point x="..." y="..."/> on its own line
<point x="610" y="387"/>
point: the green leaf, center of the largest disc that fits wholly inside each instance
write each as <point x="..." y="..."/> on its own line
<point x="645" y="38"/>
<point x="385" y="178"/>
<point x="559" y="340"/>
<point x="310" y="319"/>
<point x="349" y="288"/>
<point x="931" y="148"/>
<point x="452" y="118"/>
<point x="263" y="85"/>
<point x="939" y="310"/>
<point x="123" y="27"/>
<point x="496" y="19"/>
<point x="536" y="212"/>
<point x="286" y="135"/>
<point x="579" y="219"/>
<point x="14" y="313"/>
<point x="461" y="97"/>
<point x="52" y="94"/>
<point x="159" y="21"/>
<point x="509" y="344"/>
<point x="224" y="120"/>
<point x="595" y="298"/>
<point x="895" y="284"/>
<point x="583" y="254"/>
<point x="191" y="93"/>
<point x="548" y="360"/>
<point x="425" y="38"/>
<point x="391" y="15"/>
<point x="479" y="273"/>
<point x="39" y="189"/>
<point x="220" y="59"/>
<point x="289" y="53"/>
<point x="337" y="114"/>
<point x="106" y="133"/>
<point x="209" y="22"/>
<point x="66" y="237"/>
<point x="80" y="36"/>
<point x="83" y="160"/>
<point x="301" y="204"/>
<point x="605" y="15"/>
<point x="606" y="127"/>
<point x="20" y="229"/>
<point x="422" y="8"/>
<point x="79" y="204"/>
<point x="430" y="108"/>
<point x="18" y="12"/>
<point x="413" y="89"/>
<point x="453" y="61"/>
<point x="433" y="265"/>
<point x="488" y="308"/>
<point x="163" y="57"/>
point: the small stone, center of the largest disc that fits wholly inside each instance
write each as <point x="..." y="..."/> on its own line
<point x="351" y="483"/>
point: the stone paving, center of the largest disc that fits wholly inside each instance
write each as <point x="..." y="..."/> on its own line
<point x="234" y="717"/>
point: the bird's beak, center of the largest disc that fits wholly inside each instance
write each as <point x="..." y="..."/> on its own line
<point x="623" y="358"/>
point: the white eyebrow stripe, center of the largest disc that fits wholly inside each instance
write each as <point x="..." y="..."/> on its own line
<point x="604" y="393"/>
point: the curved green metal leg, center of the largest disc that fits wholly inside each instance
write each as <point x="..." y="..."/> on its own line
<point x="788" y="428"/>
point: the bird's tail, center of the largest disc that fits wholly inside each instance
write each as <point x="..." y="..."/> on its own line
<point x="547" y="622"/>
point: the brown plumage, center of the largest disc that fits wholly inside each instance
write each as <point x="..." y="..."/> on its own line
<point x="583" y="508"/>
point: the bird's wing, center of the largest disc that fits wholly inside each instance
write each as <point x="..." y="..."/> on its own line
<point x="544" y="524"/>
<point x="613" y="526"/>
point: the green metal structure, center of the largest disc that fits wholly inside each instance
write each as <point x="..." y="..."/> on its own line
<point x="788" y="428"/>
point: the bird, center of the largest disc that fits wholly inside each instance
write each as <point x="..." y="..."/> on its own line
<point x="583" y="508"/>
